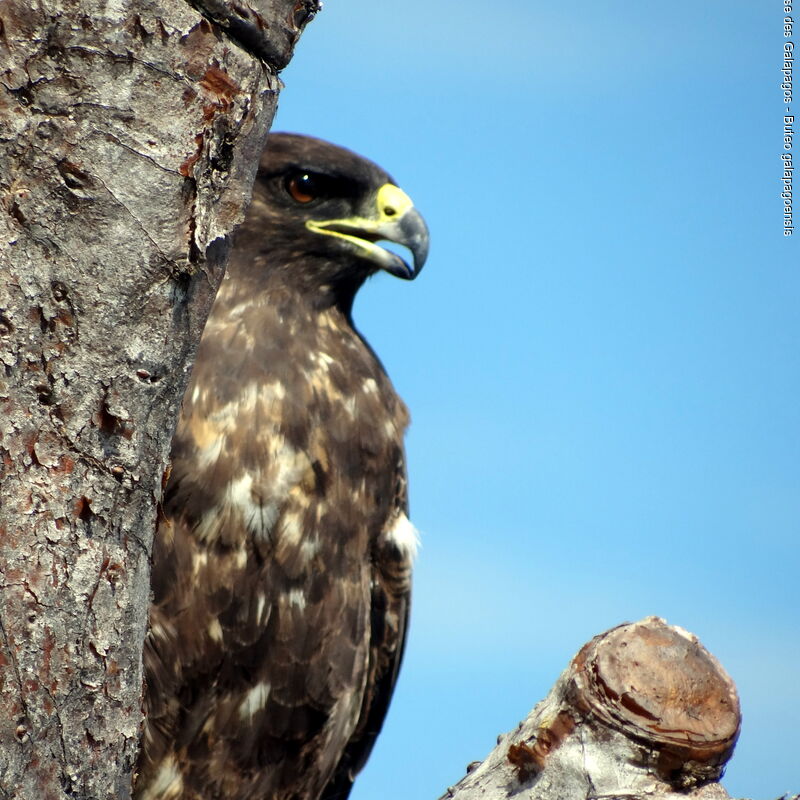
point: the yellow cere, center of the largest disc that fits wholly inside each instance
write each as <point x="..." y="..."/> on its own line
<point x="393" y="202"/>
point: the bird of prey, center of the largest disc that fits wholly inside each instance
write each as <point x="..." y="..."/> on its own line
<point x="281" y="570"/>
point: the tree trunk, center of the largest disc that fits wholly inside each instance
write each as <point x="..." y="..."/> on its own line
<point x="130" y="131"/>
<point x="643" y="711"/>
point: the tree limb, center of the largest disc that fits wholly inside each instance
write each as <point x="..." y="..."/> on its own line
<point x="642" y="711"/>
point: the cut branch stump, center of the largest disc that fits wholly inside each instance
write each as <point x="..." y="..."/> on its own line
<point x="643" y="710"/>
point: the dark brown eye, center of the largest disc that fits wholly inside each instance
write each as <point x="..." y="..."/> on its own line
<point x="302" y="187"/>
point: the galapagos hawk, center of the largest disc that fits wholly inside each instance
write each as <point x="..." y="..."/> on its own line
<point x="281" y="572"/>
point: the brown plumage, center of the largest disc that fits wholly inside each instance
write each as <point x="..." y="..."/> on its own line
<point x="281" y="575"/>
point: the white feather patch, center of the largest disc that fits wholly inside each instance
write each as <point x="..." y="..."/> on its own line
<point x="215" y="631"/>
<point x="272" y="392"/>
<point x="240" y="492"/>
<point x="289" y="465"/>
<point x="297" y="598"/>
<point x="261" y="606"/>
<point x="199" y="562"/>
<point x="309" y="548"/>
<point x="290" y="531"/>
<point x="208" y="527"/>
<point x="322" y="359"/>
<point x="168" y="783"/>
<point x="157" y="632"/>
<point x="248" y="398"/>
<point x="258" y="517"/>
<point x="349" y="405"/>
<point x="254" y="700"/>
<point x="404" y="536"/>
<point x="206" y="456"/>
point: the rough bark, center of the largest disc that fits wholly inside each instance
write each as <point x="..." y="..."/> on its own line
<point x="642" y="711"/>
<point x="129" y="135"/>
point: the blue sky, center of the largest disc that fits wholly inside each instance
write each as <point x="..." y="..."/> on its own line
<point x="601" y="357"/>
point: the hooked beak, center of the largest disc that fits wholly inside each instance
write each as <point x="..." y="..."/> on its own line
<point x="395" y="220"/>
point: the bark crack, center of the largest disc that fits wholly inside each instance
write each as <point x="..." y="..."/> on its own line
<point x="128" y="57"/>
<point x="591" y="792"/>
<point x="139" y="153"/>
<point x="14" y="665"/>
<point x="133" y="216"/>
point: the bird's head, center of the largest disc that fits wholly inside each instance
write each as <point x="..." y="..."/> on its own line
<point x="321" y="211"/>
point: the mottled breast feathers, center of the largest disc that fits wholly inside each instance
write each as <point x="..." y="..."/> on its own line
<point x="281" y="571"/>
